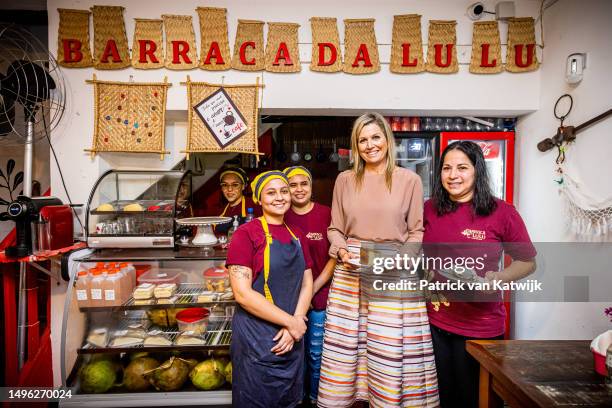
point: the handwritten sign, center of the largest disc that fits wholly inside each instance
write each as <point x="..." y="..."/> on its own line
<point x="222" y="118"/>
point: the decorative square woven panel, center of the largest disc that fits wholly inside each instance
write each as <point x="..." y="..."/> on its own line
<point x="129" y="117"/>
<point x="486" y="48"/>
<point x="407" y="45"/>
<point x="521" y="53"/>
<point x="282" y="52"/>
<point x="234" y="105"/>
<point x="442" y="47"/>
<point x="326" y="52"/>
<point x="110" y="40"/>
<point x="180" y="42"/>
<point x="148" y="45"/>
<point x="360" y="47"/>
<point x="73" y="39"/>
<point x="214" y="44"/>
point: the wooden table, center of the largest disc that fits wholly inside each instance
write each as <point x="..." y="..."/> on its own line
<point x="538" y="373"/>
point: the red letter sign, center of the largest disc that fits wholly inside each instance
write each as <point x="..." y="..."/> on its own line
<point x="180" y="49"/>
<point x="449" y="55"/>
<point x="362" y="55"/>
<point x="484" y="58"/>
<point x="282" y="53"/>
<point x="518" y="55"/>
<point x="406" y="57"/>
<point x="243" y="53"/>
<point x="147" y="49"/>
<point x="334" y="54"/>
<point x="110" y="49"/>
<point x="214" y="52"/>
<point x="72" y="50"/>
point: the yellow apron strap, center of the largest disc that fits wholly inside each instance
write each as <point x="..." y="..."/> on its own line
<point x="224" y="210"/>
<point x="243" y="208"/>
<point x="291" y="232"/>
<point x="266" y="230"/>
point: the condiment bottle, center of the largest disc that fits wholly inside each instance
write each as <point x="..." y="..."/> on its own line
<point x="233" y="229"/>
<point x="82" y="288"/>
<point x="112" y="288"/>
<point x="96" y="288"/>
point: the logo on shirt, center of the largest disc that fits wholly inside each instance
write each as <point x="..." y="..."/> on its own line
<point x="314" y="236"/>
<point x="474" y="234"/>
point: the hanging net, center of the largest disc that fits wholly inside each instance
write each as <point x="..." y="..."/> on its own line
<point x="588" y="217"/>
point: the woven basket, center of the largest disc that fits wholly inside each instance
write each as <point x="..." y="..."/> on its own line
<point x="129" y="117"/>
<point x="108" y="25"/>
<point x="283" y="33"/>
<point x="407" y="30"/>
<point x="249" y="30"/>
<point x="486" y="32"/>
<point x="246" y="99"/>
<point x="521" y="31"/>
<point x="442" y="32"/>
<point x="74" y="25"/>
<point x="325" y="30"/>
<point x="213" y="27"/>
<point x="356" y="33"/>
<point x="180" y="28"/>
<point x="148" y="30"/>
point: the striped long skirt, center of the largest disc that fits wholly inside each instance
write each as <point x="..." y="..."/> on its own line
<point x="377" y="346"/>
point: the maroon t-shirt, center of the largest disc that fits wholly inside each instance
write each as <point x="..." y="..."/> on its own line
<point x="248" y="243"/>
<point x="314" y="224"/>
<point x="237" y="209"/>
<point x="487" y="237"/>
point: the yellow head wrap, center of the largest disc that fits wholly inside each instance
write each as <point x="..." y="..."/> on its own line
<point x="262" y="179"/>
<point x="297" y="170"/>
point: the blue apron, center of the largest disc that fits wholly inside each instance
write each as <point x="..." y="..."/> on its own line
<point x="260" y="377"/>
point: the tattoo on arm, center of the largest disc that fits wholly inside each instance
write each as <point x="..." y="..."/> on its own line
<point x="240" y="272"/>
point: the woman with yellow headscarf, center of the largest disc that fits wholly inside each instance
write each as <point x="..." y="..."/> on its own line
<point x="270" y="272"/>
<point x="233" y="182"/>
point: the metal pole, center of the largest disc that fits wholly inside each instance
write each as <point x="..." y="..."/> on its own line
<point x="28" y="157"/>
<point x="27" y="191"/>
<point x="21" y="315"/>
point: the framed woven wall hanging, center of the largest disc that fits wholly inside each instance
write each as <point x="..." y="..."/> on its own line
<point x="243" y="107"/>
<point x="129" y="117"/>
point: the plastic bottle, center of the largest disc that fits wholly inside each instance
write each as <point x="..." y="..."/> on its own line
<point x="82" y="288"/>
<point x="233" y="229"/>
<point x="96" y="298"/>
<point x="250" y="215"/>
<point x="112" y="288"/>
<point x="131" y="274"/>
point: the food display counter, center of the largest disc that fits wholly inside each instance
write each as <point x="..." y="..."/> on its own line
<point x="147" y="327"/>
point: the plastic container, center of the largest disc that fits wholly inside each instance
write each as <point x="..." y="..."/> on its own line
<point x="193" y="320"/>
<point x="216" y="279"/>
<point x="113" y="291"/>
<point x="141" y="270"/>
<point x="96" y="288"/>
<point x="161" y="276"/>
<point x="82" y="288"/>
<point x="599" y="346"/>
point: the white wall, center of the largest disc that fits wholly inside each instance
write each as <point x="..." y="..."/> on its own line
<point x="569" y="27"/>
<point x="500" y="94"/>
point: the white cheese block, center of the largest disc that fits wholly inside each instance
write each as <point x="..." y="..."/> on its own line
<point x="126" y="341"/>
<point x="188" y="340"/>
<point x="98" y="337"/>
<point x="144" y="291"/>
<point x="165" y="290"/>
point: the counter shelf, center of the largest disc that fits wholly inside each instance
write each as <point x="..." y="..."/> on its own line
<point x="187" y="297"/>
<point x="217" y="337"/>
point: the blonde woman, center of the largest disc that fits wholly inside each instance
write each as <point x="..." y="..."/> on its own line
<point x="377" y="345"/>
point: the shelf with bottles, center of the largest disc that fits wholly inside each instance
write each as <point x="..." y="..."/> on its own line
<point x="186" y="295"/>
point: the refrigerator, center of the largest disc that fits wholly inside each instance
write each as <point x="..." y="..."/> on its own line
<point x="418" y="151"/>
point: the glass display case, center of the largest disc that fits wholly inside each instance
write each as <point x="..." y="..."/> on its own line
<point x="147" y="327"/>
<point x="137" y="209"/>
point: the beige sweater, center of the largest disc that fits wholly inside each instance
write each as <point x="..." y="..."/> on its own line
<point x="373" y="213"/>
